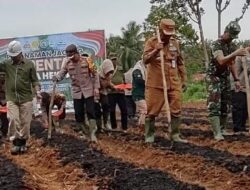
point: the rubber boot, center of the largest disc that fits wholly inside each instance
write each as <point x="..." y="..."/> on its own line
<point x="16" y="147"/>
<point x="23" y="147"/>
<point x="92" y="130"/>
<point x="224" y="126"/>
<point x="149" y="130"/>
<point x="78" y="126"/>
<point x="85" y="128"/>
<point x="99" y="125"/>
<point x="106" y="122"/>
<point x="215" y="122"/>
<point x="175" y="130"/>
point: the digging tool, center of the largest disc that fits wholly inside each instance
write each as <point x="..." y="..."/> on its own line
<point x="245" y="68"/>
<point x="50" y="109"/>
<point x="165" y="88"/>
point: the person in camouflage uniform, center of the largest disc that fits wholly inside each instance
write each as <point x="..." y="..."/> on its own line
<point x="223" y="55"/>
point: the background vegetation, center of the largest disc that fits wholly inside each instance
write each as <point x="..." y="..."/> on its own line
<point x="129" y="45"/>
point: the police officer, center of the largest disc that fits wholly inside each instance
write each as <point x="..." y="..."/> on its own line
<point x="223" y="55"/>
<point x="85" y="87"/>
<point x="175" y="73"/>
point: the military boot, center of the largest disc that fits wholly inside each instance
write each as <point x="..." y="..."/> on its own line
<point x="92" y="130"/>
<point x="215" y="122"/>
<point x="175" y="130"/>
<point x="149" y="130"/>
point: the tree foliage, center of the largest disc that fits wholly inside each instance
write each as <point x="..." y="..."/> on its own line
<point x="128" y="46"/>
<point x="182" y="12"/>
<point x="170" y="9"/>
<point x="243" y="11"/>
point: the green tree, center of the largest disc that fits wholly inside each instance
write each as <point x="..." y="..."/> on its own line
<point x="128" y="46"/>
<point x="182" y="12"/>
<point x="243" y="11"/>
<point x="170" y="9"/>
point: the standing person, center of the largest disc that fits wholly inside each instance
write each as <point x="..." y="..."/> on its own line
<point x="175" y="73"/>
<point x="239" y="96"/>
<point x="117" y="96"/>
<point x="102" y="107"/>
<point x="138" y="91"/>
<point x="20" y="78"/>
<point x="223" y="55"/>
<point x="131" y="107"/>
<point x="85" y="86"/>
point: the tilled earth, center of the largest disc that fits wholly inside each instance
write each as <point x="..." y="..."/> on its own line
<point x="122" y="161"/>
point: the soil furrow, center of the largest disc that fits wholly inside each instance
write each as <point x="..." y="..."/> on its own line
<point x="111" y="173"/>
<point x="189" y="168"/>
<point x="233" y="163"/>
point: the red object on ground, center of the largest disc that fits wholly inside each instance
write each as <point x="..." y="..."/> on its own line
<point x="123" y="86"/>
<point x="57" y="114"/>
<point x="3" y="109"/>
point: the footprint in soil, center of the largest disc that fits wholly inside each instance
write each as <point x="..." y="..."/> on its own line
<point x="111" y="173"/>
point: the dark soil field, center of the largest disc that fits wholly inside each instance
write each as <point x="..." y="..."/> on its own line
<point x="122" y="161"/>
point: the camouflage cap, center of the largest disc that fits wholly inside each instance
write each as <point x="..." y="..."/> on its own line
<point x="233" y="28"/>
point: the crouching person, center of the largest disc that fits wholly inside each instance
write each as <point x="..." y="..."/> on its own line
<point x="85" y="85"/>
<point x="20" y="79"/>
<point x="59" y="102"/>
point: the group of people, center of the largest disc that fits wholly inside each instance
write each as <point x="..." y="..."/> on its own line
<point x="95" y="92"/>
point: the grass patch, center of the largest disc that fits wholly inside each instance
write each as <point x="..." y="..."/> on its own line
<point x="196" y="91"/>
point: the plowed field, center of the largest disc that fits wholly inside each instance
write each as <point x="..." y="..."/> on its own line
<point x="122" y="161"/>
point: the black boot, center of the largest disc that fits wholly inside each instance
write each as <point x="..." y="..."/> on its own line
<point x="23" y="147"/>
<point x="16" y="146"/>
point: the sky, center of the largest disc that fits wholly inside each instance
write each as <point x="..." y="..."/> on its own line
<point x="20" y="18"/>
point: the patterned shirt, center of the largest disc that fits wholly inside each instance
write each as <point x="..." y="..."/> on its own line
<point x="214" y="68"/>
<point x="83" y="77"/>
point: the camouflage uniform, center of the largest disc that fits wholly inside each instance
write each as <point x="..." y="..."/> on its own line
<point x="218" y="81"/>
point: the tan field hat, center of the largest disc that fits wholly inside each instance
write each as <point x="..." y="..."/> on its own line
<point x="167" y="26"/>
